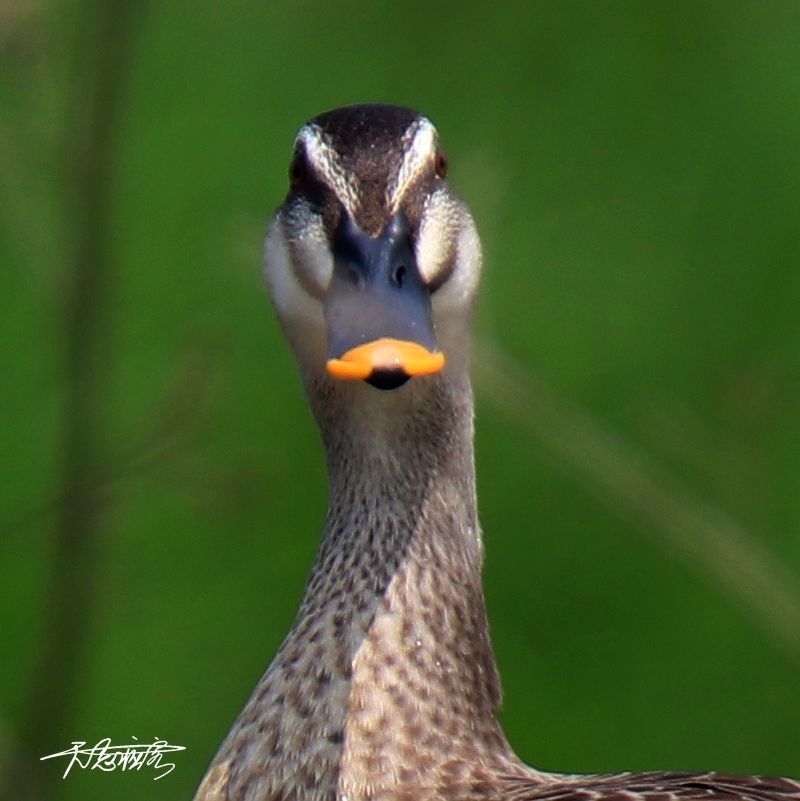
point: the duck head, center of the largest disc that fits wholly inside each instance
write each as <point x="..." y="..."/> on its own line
<point x="372" y="261"/>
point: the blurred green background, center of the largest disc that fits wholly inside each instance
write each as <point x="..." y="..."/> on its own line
<point x="634" y="168"/>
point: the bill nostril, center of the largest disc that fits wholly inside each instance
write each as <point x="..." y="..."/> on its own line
<point x="399" y="275"/>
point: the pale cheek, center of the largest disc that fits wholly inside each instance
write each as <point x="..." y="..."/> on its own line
<point x="313" y="260"/>
<point x="314" y="269"/>
<point x="291" y="299"/>
<point x="433" y="250"/>
<point x="470" y="260"/>
<point x="461" y="254"/>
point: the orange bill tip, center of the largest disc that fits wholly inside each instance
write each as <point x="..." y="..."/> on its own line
<point x="386" y="355"/>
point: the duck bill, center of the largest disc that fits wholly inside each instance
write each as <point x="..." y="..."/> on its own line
<point x="386" y="363"/>
<point x="378" y="309"/>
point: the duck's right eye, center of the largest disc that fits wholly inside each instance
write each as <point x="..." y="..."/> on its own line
<point x="440" y="164"/>
<point x="297" y="172"/>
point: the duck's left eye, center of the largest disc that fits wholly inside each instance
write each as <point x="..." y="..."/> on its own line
<point x="297" y="171"/>
<point x="440" y="164"/>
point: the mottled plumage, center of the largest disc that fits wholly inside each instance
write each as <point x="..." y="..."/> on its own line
<point x="386" y="687"/>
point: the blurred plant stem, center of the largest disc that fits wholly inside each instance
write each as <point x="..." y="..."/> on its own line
<point x="102" y="51"/>
<point x="636" y="487"/>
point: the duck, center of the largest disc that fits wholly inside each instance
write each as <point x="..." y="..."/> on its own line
<point x="386" y="687"/>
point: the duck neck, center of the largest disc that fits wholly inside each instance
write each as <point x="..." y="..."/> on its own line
<point x="387" y="680"/>
<point x="398" y="582"/>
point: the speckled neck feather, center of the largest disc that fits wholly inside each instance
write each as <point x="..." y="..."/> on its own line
<point x="386" y="687"/>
